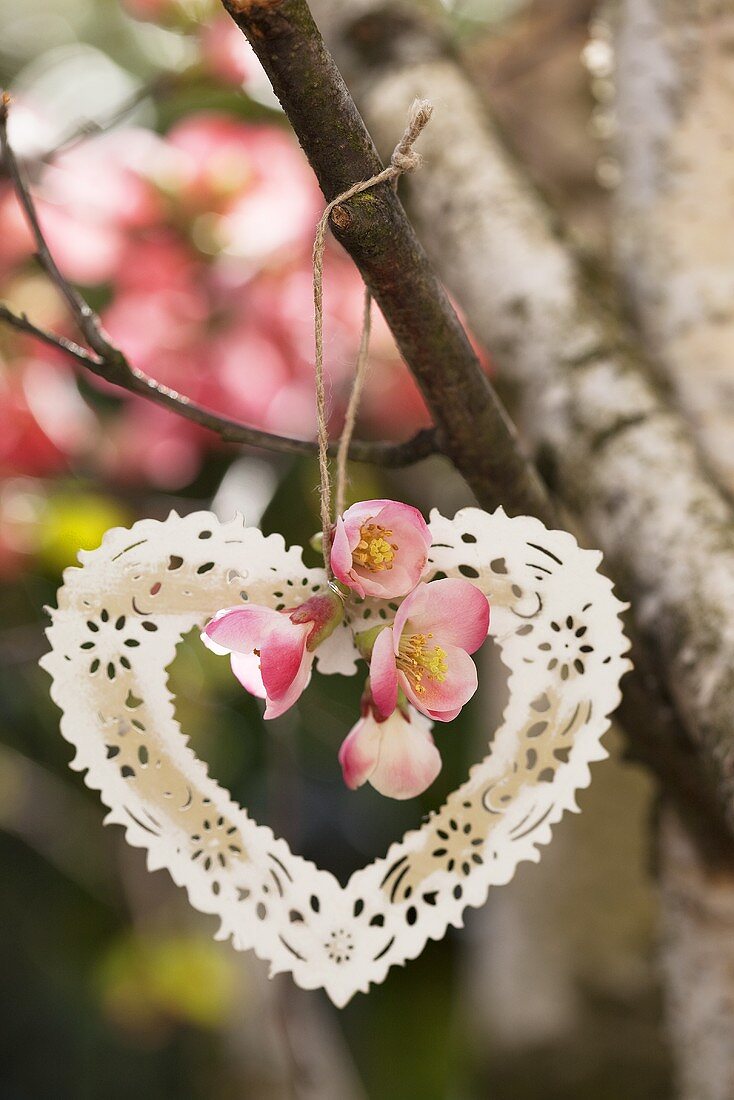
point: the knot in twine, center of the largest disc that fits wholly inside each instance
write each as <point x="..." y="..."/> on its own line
<point x="404" y="159"/>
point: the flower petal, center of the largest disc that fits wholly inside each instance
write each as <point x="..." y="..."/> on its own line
<point x="412" y="548"/>
<point x="359" y="752"/>
<point x="386" y="584"/>
<point x="408" y="521"/>
<point x="356" y="516"/>
<point x="362" y="511"/>
<point x="408" y="761"/>
<point x="276" y="707"/>
<point x="384" y="673"/>
<point x="443" y="699"/>
<point x="241" y="629"/>
<point x="281" y="655"/>
<point x="341" y="557"/>
<point x="455" y="611"/>
<point x="220" y="650"/>
<point x="246" y="667"/>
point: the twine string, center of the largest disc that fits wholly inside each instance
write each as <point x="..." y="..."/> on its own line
<point x="350" y="417"/>
<point x="403" y="159"/>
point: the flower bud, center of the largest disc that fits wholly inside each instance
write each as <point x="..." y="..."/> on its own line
<point x="324" y="611"/>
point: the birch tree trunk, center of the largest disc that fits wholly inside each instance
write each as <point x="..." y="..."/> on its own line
<point x="605" y="438"/>
<point x="697" y="957"/>
<point x="607" y="442"/>
<point x="675" y="249"/>
<point x="675" y="202"/>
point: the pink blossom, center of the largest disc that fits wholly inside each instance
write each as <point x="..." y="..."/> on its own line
<point x="158" y="261"/>
<point x="88" y="201"/>
<point x="152" y="10"/>
<point x="33" y="440"/>
<point x="147" y="444"/>
<point x="232" y="390"/>
<point x="426" y="651"/>
<point x="157" y="331"/>
<point x="380" y="548"/>
<point x="397" y="756"/>
<point x="252" y="177"/>
<point x="225" y="51"/>
<point x="272" y="651"/>
<point x="202" y="239"/>
<point x="93" y="196"/>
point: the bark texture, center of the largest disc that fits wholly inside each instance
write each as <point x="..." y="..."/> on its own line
<point x="675" y="112"/>
<point x="697" y="954"/>
<point x="675" y="205"/>
<point x="375" y="231"/>
<point x="605" y="438"/>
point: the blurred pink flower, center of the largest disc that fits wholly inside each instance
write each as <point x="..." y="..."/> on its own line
<point x="199" y="243"/>
<point x="88" y="200"/>
<point x="225" y="52"/>
<point x="158" y="260"/>
<point x="149" y="446"/>
<point x="155" y="330"/>
<point x="253" y="176"/>
<point x="43" y="419"/>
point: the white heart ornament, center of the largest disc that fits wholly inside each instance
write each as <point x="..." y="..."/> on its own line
<point x="115" y="632"/>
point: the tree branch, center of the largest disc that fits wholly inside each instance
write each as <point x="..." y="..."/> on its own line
<point x="672" y="203"/>
<point x="476" y="432"/>
<point x="21" y="323"/>
<point x="108" y="362"/>
<point x="87" y="321"/>
<point x="382" y="243"/>
<point x="673" y="251"/>
<point x="610" y="445"/>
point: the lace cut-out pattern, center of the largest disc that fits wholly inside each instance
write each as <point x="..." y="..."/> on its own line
<point x="115" y="632"/>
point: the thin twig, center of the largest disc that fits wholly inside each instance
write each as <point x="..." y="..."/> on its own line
<point x="21" y="322"/>
<point x="108" y="362"/>
<point x="86" y="319"/>
<point x="122" y="374"/>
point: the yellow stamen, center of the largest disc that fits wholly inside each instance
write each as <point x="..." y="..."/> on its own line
<point x="373" y="551"/>
<point x="417" y="659"/>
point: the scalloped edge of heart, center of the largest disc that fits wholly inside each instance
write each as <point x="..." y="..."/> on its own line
<point x="119" y="619"/>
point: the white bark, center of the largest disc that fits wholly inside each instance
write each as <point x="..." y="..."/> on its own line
<point x="675" y="216"/>
<point x="675" y="110"/>
<point x="697" y="954"/>
<point x="616" y="453"/>
<point x="610" y="446"/>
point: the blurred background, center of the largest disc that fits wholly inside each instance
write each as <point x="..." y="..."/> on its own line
<point x="174" y="195"/>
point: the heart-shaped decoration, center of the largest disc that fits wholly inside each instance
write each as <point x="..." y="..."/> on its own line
<point x="119" y="620"/>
